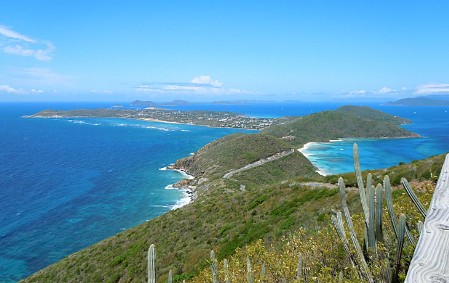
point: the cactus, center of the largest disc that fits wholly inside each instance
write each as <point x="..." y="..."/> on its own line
<point x="299" y="273"/>
<point x="151" y="264"/>
<point x="214" y="267"/>
<point x="263" y="272"/>
<point x="379" y="214"/>
<point x="389" y="199"/>
<point x="391" y="212"/>
<point x="361" y="259"/>
<point x="170" y="276"/>
<point x="420" y="227"/>
<point x="371" y="227"/>
<point x="358" y="173"/>
<point x="413" y="197"/>
<point x="226" y="271"/>
<point x="340" y="277"/>
<point x="249" y="273"/>
<point x="401" y="233"/>
<point x="386" y="271"/>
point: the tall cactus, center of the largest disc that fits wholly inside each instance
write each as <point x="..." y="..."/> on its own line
<point x="170" y="276"/>
<point x="249" y="273"/>
<point x="358" y="173"/>
<point x="299" y="268"/>
<point x="214" y="267"/>
<point x="226" y="271"/>
<point x="361" y="259"/>
<point x="379" y="213"/>
<point x="371" y="227"/>
<point x="151" y="264"/>
<point x="391" y="212"/>
<point x="388" y="197"/>
<point x="401" y="234"/>
<point x="340" y="277"/>
<point x="420" y="227"/>
<point x="263" y="273"/>
<point x="413" y="197"/>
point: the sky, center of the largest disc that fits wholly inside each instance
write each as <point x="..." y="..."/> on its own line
<point x="160" y="50"/>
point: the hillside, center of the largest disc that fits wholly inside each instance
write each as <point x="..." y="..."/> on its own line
<point x="345" y="122"/>
<point x="418" y="101"/>
<point x="223" y="220"/>
<point x="233" y="152"/>
<point x="264" y="202"/>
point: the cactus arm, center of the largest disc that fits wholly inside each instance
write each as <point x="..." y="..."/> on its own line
<point x="249" y="273"/>
<point x="360" y="185"/>
<point x="379" y="213"/>
<point x="226" y="271"/>
<point x="214" y="267"/>
<point x="364" y="265"/>
<point x="170" y="276"/>
<point x="401" y="234"/>
<point x="389" y="199"/>
<point x="413" y="197"/>
<point x="151" y="264"/>
<point x="299" y="274"/>
<point x="371" y="226"/>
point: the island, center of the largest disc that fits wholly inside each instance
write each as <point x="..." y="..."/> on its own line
<point x="418" y="101"/>
<point x="200" y="118"/>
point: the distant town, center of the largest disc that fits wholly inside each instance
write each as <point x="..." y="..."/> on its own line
<point x="201" y="118"/>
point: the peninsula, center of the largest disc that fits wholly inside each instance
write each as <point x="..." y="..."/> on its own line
<point x="200" y="118"/>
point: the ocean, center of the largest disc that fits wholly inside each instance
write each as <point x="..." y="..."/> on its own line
<point x="66" y="184"/>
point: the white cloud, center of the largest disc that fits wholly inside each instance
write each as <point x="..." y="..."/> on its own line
<point x="385" y="90"/>
<point x="12" y="90"/>
<point x="201" y="85"/>
<point x="206" y="80"/>
<point x="36" y="91"/>
<point x="14" y="35"/>
<point x="360" y="92"/>
<point x="9" y="89"/>
<point x="432" y="88"/>
<point x="21" y="45"/>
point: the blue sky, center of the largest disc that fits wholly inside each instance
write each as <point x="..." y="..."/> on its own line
<point x="222" y="50"/>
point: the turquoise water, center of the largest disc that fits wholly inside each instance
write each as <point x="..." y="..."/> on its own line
<point x="432" y="123"/>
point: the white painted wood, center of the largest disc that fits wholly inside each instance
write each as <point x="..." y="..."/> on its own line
<point x="430" y="261"/>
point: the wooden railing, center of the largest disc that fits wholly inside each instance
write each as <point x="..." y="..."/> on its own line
<point x="430" y="261"/>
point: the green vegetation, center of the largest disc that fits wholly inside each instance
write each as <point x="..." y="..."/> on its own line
<point x="383" y="257"/>
<point x="224" y="220"/>
<point x="233" y="152"/>
<point x="323" y="256"/>
<point x="420" y="170"/>
<point x="345" y="122"/>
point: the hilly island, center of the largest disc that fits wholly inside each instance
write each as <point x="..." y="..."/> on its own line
<point x="254" y="195"/>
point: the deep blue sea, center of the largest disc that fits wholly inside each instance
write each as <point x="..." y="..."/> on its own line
<point x="68" y="183"/>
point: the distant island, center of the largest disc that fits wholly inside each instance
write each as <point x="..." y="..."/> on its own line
<point x="200" y="118"/>
<point x="418" y="101"/>
<point x="143" y="103"/>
